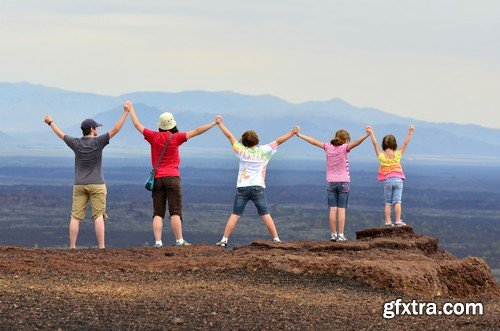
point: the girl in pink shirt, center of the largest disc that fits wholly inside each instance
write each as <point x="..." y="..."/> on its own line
<point x="337" y="176"/>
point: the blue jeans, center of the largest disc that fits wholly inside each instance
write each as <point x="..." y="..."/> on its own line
<point x="393" y="190"/>
<point x="254" y="193"/>
<point x="338" y="194"/>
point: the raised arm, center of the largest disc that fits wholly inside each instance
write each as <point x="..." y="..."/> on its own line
<point x="288" y="135"/>
<point x="370" y="131"/>
<point x="55" y="128"/>
<point x="134" y="118"/>
<point x="310" y="140"/>
<point x="119" y="124"/>
<point x="411" y="128"/>
<point x="358" y="141"/>
<point x="201" y="129"/>
<point x="225" y="130"/>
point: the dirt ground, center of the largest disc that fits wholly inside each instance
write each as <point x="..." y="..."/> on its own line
<point x="296" y="285"/>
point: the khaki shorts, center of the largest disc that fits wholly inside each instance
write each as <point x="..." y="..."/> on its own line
<point x="96" y="193"/>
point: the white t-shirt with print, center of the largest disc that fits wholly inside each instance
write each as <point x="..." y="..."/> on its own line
<point x="253" y="163"/>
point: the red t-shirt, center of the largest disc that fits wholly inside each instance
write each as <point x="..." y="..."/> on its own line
<point x="169" y="164"/>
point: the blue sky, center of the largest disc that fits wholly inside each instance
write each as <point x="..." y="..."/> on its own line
<point x="430" y="60"/>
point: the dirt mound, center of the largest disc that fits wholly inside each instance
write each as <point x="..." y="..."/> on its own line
<point x="396" y="259"/>
<point x="299" y="284"/>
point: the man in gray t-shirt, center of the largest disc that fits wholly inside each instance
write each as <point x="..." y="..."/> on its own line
<point x="89" y="181"/>
<point x="88" y="157"/>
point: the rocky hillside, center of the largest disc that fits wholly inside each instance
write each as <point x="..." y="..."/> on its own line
<point x="294" y="285"/>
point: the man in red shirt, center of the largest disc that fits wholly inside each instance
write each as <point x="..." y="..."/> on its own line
<point x="167" y="183"/>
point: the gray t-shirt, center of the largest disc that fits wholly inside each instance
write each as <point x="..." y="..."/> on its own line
<point x="88" y="158"/>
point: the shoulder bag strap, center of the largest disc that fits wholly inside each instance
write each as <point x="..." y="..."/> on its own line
<point x="162" y="152"/>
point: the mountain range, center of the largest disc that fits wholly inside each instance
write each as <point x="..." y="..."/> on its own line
<point x="23" y="105"/>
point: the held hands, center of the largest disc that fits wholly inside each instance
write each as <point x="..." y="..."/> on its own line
<point x="369" y="129"/>
<point x="127" y="106"/>
<point x="47" y="119"/>
<point x="296" y="130"/>
<point x="218" y="119"/>
<point x="411" y="128"/>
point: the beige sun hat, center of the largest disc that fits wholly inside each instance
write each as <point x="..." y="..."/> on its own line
<point x="166" y="121"/>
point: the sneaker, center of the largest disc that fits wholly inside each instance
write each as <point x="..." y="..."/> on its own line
<point x="400" y="223"/>
<point x="389" y="225"/>
<point x="158" y="245"/>
<point x="221" y="244"/>
<point x="334" y="237"/>
<point x="341" y="237"/>
<point x="276" y="241"/>
<point x="184" y="243"/>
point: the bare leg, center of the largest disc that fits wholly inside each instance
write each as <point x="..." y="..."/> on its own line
<point x="397" y="211"/>
<point x="387" y="212"/>
<point x="175" y="221"/>
<point x="268" y="221"/>
<point x="231" y="224"/>
<point x="74" y="226"/>
<point x="157" y="227"/>
<point x="341" y="219"/>
<point x="99" y="230"/>
<point x="333" y="219"/>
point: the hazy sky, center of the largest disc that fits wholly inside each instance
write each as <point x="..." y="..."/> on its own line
<point x="436" y="60"/>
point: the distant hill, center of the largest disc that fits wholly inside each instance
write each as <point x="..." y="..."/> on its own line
<point x="8" y="141"/>
<point x="4" y="138"/>
<point x="23" y="105"/>
<point x="213" y="102"/>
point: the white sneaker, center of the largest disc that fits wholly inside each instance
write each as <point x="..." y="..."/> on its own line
<point x="341" y="237"/>
<point x="400" y="223"/>
<point x="334" y="237"/>
<point x="221" y="243"/>
<point x="276" y="241"/>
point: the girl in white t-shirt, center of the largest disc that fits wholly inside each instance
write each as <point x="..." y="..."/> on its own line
<point x="251" y="177"/>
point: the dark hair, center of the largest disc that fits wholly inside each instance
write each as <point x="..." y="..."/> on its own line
<point x="172" y="130"/>
<point x="250" y="138"/>
<point x="341" y="137"/>
<point x="86" y="132"/>
<point x="389" y="142"/>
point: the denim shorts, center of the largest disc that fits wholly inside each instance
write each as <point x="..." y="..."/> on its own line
<point x="338" y="194"/>
<point x="393" y="190"/>
<point x="254" y="193"/>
